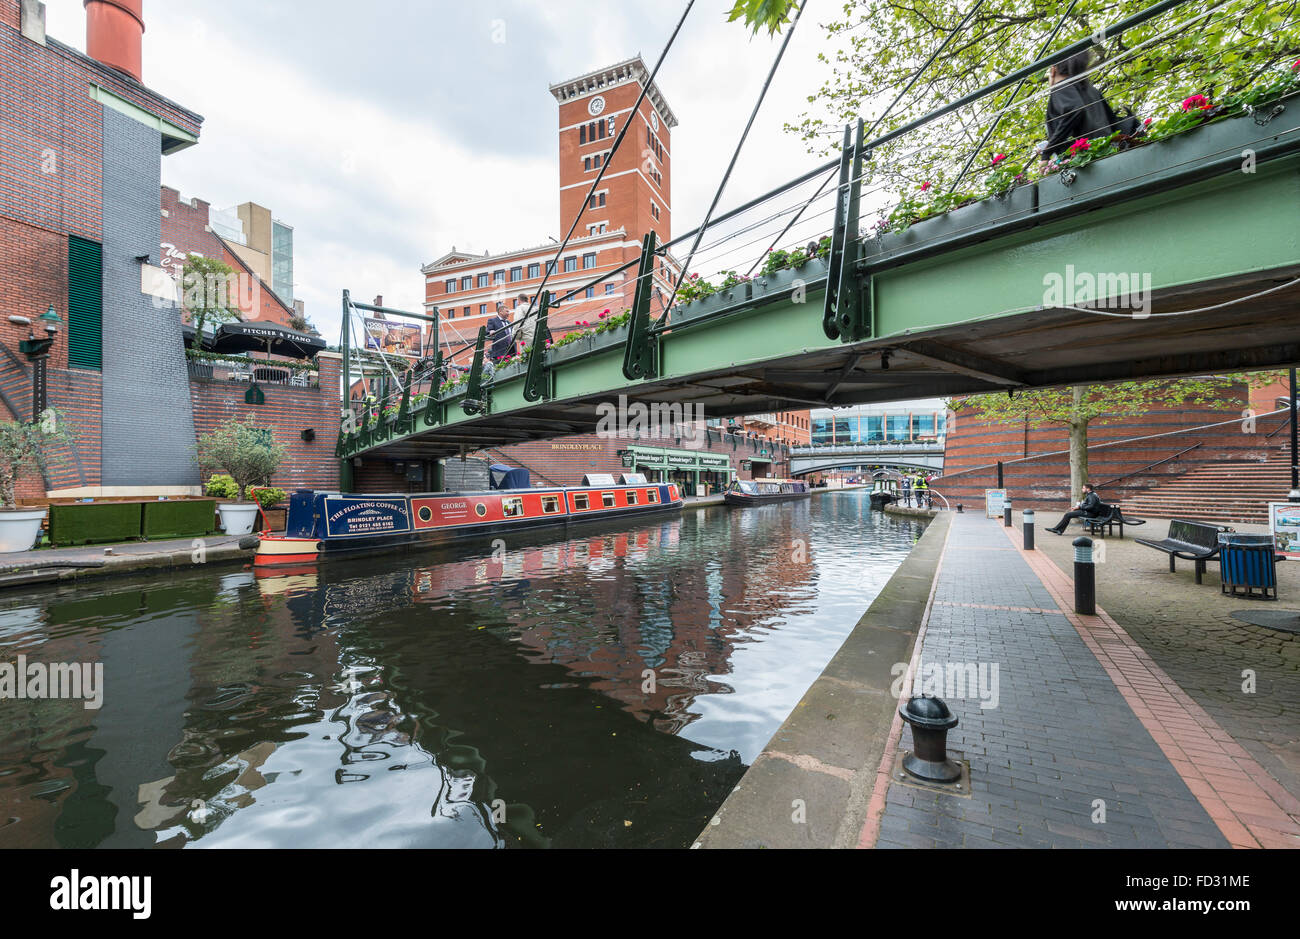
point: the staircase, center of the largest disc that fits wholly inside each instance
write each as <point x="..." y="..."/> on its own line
<point x="1224" y="492"/>
<point x="496" y="456"/>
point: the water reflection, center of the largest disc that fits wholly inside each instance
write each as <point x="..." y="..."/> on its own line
<point x="601" y="690"/>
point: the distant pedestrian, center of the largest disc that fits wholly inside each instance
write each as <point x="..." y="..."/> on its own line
<point x="1076" y="110"/>
<point x="907" y="490"/>
<point x="499" y="335"/>
<point x="524" y="323"/>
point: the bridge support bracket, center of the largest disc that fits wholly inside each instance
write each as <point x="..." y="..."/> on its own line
<point x="847" y="315"/>
<point x="477" y="396"/>
<point x="641" y="351"/>
<point x="537" y="380"/>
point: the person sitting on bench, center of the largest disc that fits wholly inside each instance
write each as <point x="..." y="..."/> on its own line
<point x="1090" y="507"/>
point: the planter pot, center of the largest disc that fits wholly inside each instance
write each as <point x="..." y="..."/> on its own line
<point x="572" y="350"/>
<point x="19" y="528"/>
<point x="712" y="304"/>
<point x="237" y="518"/>
<point x="1199" y="153"/>
<point x="611" y="337"/>
<point x="780" y="284"/>
<point x="969" y="223"/>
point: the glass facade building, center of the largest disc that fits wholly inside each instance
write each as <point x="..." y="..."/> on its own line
<point x="901" y="421"/>
<point x="282" y="261"/>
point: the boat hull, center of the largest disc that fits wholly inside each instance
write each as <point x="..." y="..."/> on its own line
<point x="327" y="525"/>
<point x="742" y="499"/>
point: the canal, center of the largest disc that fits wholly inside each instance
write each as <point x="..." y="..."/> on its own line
<point x="604" y="688"/>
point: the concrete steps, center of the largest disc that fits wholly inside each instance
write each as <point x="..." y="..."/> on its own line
<point x="1217" y="492"/>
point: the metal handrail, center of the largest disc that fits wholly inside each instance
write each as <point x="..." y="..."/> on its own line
<point x="1149" y="466"/>
<point x="1112" y="443"/>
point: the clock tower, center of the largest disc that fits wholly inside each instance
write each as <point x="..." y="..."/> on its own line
<point x="635" y="194"/>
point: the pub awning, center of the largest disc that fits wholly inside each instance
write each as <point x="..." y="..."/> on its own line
<point x="231" y="338"/>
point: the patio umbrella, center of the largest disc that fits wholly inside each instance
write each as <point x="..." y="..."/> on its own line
<point x="265" y="337"/>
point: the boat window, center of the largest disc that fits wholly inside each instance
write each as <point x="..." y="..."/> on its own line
<point x="608" y="499"/>
<point x="512" y="508"/>
<point x="652" y="495"/>
<point x="580" y="501"/>
<point x="550" y="504"/>
<point x="631" y="497"/>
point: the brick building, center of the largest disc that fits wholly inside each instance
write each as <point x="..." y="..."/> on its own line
<point x="187" y="228"/>
<point x="635" y="197"/>
<point x="81" y="228"/>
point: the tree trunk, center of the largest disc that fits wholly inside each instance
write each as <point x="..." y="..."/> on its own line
<point x="1078" y="447"/>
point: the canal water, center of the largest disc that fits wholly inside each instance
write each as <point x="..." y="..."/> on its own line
<point x="604" y="688"/>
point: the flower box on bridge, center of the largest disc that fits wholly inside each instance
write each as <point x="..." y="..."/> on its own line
<point x="969" y="223"/>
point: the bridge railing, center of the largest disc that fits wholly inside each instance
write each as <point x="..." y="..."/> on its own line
<point x="915" y="165"/>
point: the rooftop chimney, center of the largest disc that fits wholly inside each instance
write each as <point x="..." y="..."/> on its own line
<point x="115" y="33"/>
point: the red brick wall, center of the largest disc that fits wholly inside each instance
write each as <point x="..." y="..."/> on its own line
<point x="1045" y="482"/>
<point x="10" y="13"/>
<point x="34" y="276"/>
<point x="288" y="411"/>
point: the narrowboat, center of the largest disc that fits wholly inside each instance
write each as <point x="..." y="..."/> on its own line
<point x="883" y="492"/>
<point x="761" y="491"/>
<point x="326" y="524"/>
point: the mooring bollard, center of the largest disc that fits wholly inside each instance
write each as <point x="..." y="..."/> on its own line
<point x="1006" y="512"/>
<point x="1085" y="578"/>
<point x="1028" y="518"/>
<point x="930" y="720"/>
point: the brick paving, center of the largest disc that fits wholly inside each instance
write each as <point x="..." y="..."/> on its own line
<point x="1083" y="714"/>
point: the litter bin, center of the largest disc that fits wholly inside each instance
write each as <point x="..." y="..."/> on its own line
<point x="1248" y="565"/>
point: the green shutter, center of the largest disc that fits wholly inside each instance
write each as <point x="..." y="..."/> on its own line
<point x="85" y="303"/>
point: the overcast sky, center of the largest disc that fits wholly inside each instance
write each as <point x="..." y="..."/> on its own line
<point x="388" y="131"/>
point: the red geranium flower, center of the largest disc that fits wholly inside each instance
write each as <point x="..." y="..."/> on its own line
<point x="1080" y="144"/>
<point x="998" y="158"/>
<point x="925" y="185"/>
<point x="1147" y="122"/>
<point x="1196" y="101"/>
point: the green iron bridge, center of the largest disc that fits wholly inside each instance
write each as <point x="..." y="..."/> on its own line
<point x="1176" y="258"/>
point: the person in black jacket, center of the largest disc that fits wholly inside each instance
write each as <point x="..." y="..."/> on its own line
<point x="499" y="334"/>
<point x="1076" y="110"/>
<point x="1090" y="507"/>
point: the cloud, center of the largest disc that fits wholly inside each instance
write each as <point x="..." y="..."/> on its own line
<point x="387" y="137"/>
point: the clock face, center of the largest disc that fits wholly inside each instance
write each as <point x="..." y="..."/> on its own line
<point x="654" y="122"/>
<point x="595" y="105"/>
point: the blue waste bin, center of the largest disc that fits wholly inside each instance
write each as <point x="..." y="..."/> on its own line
<point x="1248" y="564"/>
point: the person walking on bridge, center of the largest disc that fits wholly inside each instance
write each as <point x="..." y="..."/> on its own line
<point x="1076" y="110"/>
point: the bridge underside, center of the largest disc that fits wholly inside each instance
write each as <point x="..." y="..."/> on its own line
<point x="802" y="466"/>
<point x="974" y="316"/>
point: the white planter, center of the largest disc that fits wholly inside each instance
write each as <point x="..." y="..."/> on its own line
<point x="19" y="528"/>
<point x="237" y="518"/>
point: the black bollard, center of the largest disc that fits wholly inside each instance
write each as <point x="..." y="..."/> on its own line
<point x="1028" y="518"/>
<point x="930" y="720"/>
<point x="1085" y="578"/>
<point x="1006" y="512"/>
<point x="959" y="511"/>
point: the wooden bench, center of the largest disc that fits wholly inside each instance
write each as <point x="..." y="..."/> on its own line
<point x="1191" y="541"/>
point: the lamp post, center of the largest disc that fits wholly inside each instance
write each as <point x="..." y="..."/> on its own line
<point x="1294" y="495"/>
<point x="38" y="353"/>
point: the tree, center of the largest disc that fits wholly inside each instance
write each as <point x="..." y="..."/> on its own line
<point x="243" y="449"/>
<point x="206" y="292"/>
<point x="26" y="447"/>
<point x="1080" y="406"/>
<point x="881" y="43"/>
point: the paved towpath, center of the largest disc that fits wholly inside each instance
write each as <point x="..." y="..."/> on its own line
<point x="1088" y="742"/>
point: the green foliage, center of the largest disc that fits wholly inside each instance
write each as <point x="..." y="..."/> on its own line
<point x="221" y="486"/>
<point x="1237" y="55"/>
<point x="243" y="449"/>
<point x="267" y="498"/>
<point x="206" y="292"/>
<point x="763" y="14"/>
<point x="29" y="447"/>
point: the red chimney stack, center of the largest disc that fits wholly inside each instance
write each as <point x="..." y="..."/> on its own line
<point x="115" y="33"/>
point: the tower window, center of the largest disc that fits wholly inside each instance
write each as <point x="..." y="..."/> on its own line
<point x="588" y="261"/>
<point x="582" y="134"/>
<point x="534" y="270"/>
<point x="451" y="286"/>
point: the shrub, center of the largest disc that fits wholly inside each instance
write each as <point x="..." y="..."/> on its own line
<point x="268" y="498"/>
<point x="221" y="486"/>
<point x="242" y="449"/>
<point x="26" y="446"/>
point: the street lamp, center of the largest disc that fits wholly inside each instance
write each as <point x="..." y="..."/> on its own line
<point x="38" y="353"/>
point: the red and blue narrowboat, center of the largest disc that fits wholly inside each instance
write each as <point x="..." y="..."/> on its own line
<point x="324" y="524"/>
<point x="761" y="491"/>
